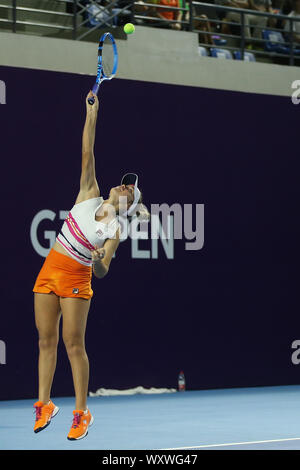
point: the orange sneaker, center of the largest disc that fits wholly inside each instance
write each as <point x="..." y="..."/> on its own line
<point x="44" y="414"/>
<point x="81" y="421"/>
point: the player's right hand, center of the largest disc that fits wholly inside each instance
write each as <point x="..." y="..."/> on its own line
<point x="92" y="108"/>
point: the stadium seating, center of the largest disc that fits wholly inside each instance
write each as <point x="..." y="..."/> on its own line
<point x="202" y="51"/>
<point x="274" y="42"/>
<point x="218" y="41"/>
<point x="248" y="56"/>
<point x="98" y="15"/>
<point x="220" y="53"/>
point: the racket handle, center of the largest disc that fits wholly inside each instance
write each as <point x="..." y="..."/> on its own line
<point x="95" y="89"/>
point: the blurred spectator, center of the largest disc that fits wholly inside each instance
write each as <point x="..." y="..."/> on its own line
<point x="168" y="15"/>
<point x="185" y="15"/>
<point x="203" y="25"/>
<point x="201" y="22"/>
<point x="250" y="20"/>
<point x="295" y="13"/>
<point x="141" y="7"/>
<point x="279" y="7"/>
<point x="161" y="13"/>
<point x="232" y="16"/>
<point x="147" y="11"/>
<point x="260" y="21"/>
<point x="141" y="10"/>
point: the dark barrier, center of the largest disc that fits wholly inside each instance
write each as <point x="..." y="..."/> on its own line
<point x="225" y="313"/>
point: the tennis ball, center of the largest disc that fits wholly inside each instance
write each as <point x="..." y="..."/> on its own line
<point x="129" y="28"/>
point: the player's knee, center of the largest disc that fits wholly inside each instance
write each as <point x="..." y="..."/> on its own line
<point x="48" y="342"/>
<point x="74" y="346"/>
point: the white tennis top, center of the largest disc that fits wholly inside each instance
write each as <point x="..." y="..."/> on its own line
<point x="81" y="232"/>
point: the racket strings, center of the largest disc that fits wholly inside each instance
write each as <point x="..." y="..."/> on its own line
<point x="108" y="58"/>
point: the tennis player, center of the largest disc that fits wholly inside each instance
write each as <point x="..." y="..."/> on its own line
<point x="86" y="243"/>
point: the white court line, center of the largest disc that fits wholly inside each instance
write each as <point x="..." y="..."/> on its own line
<point x="234" y="444"/>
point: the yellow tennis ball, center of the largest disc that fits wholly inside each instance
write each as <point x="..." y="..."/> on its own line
<point x="129" y="28"/>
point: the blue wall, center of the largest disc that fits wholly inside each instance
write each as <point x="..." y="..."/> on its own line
<point x="226" y="314"/>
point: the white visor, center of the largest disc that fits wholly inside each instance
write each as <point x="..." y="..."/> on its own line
<point x="131" y="179"/>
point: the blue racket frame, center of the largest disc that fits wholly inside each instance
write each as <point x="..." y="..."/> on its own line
<point x="100" y="73"/>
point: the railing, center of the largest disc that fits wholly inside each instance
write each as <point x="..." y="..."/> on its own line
<point x="191" y="17"/>
<point x="103" y="18"/>
<point x="289" y="45"/>
<point x="81" y="18"/>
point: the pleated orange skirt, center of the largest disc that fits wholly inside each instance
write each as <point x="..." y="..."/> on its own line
<point x="64" y="276"/>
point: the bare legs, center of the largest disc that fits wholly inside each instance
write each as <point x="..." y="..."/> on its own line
<point x="75" y="312"/>
<point x="47" y="315"/>
<point x="48" y="309"/>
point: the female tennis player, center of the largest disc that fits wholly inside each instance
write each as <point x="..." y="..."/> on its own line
<point x="86" y="243"/>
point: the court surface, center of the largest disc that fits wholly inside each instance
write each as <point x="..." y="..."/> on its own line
<point x="248" y="418"/>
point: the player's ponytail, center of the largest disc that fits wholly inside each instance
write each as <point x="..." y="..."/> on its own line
<point x="141" y="212"/>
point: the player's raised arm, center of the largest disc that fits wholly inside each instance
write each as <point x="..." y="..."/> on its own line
<point x="88" y="183"/>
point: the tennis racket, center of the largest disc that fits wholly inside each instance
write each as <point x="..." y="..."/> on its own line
<point x="107" y="62"/>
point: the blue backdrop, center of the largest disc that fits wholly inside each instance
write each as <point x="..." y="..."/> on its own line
<point x="226" y="314"/>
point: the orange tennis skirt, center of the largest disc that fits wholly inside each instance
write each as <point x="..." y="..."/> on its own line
<point x="64" y="276"/>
